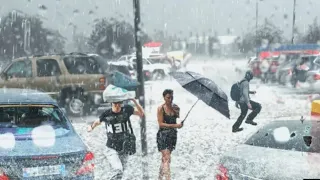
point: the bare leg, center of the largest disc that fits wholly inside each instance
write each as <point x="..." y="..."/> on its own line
<point x="165" y="165"/>
<point x="160" y="172"/>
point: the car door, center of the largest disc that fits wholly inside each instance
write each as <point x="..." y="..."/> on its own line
<point x="49" y="77"/>
<point x="17" y="75"/>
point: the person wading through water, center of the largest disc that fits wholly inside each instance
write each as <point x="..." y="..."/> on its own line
<point x="245" y="104"/>
<point x="121" y="140"/>
<point x="167" y="134"/>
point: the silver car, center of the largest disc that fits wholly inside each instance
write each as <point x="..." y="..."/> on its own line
<point x="281" y="150"/>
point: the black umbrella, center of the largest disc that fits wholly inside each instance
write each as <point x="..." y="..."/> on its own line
<point x="205" y="89"/>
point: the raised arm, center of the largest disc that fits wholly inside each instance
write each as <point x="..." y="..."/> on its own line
<point x="138" y="110"/>
<point x="94" y="124"/>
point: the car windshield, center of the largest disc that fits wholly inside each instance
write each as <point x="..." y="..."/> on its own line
<point x="287" y="135"/>
<point x="22" y="120"/>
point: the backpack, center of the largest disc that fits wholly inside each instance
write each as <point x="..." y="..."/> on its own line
<point x="235" y="91"/>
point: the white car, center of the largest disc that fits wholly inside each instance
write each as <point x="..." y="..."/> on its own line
<point x="156" y="70"/>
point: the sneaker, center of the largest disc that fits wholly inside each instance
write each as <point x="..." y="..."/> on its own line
<point x="237" y="130"/>
<point x="251" y="122"/>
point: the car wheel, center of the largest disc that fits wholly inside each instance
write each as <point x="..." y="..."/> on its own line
<point x="77" y="104"/>
<point x="158" y="75"/>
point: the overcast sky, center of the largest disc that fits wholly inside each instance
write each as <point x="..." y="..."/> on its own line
<point x="176" y="15"/>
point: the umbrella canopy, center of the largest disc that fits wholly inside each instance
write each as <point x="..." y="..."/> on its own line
<point x="153" y="44"/>
<point x="205" y="89"/>
<point x="123" y="81"/>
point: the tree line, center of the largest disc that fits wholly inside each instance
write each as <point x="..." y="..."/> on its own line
<point x="269" y="34"/>
<point x="22" y="34"/>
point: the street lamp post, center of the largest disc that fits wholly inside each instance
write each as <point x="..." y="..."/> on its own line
<point x="137" y="32"/>
<point x="257" y="11"/>
<point x="293" y="21"/>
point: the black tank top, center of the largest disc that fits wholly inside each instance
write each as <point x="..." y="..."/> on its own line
<point x="168" y="119"/>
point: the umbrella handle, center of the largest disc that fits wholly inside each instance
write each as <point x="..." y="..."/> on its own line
<point x="189" y="111"/>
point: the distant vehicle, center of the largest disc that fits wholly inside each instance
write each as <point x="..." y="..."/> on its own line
<point x="254" y="66"/>
<point x="270" y="75"/>
<point x="112" y="67"/>
<point x="284" y="71"/>
<point x="76" y="79"/>
<point x="157" y="71"/>
<point x="307" y="71"/>
<point x="38" y="140"/>
<point x="285" y="150"/>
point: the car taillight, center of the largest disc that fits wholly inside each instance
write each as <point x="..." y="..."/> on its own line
<point x="87" y="164"/>
<point x="316" y="77"/>
<point x="147" y="73"/>
<point x="102" y="83"/>
<point x="222" y="173"/>
<point x="3" y="176"/>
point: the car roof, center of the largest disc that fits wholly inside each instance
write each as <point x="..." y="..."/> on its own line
<point x="292" y="125"/>
<point x="56" y="56"/>
<point x="25" y="96"/>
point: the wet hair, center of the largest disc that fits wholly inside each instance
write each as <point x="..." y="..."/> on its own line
<point x="167" y="91"/>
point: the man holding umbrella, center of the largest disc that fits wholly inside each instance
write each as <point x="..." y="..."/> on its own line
<point x="245" y="104"/>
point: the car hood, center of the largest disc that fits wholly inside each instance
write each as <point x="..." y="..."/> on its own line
<point x="252" y="162"/>
<point x="69" y="143"/>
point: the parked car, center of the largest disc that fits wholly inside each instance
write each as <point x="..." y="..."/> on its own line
<point x="131" y="68"/>
<point x="285" y="150"/>
<point x="156" y="70"/>
<point x="112" y="67"/>
<point x="284" y="71"/>
<point x="254" y="66"/>
<point x="38" y="140"/>
<point x="270" y="75"/>
<point x="307" y="71"/>
<point x="76" y="80"/>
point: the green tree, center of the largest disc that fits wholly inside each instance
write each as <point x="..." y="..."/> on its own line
<point x="312" y="36"/>
<point x="266" y="32"/>
<point x="12" y="36"/>
<point x="111" y="38"/>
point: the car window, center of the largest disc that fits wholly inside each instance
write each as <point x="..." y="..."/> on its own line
<point x="297" y="137"/>
<point x="145" y="61"/>
<point x="159" y="60"/>
<point x="82" y="65"/>
<point x="20" y="69"/>
<point x="317" y="61"/>
<point x="48" y="67"/>
<point x="123" y="58"/>
<point x="22" y="120"/>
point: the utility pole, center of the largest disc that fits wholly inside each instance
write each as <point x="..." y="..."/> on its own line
<point x="137" y="30"/>
<point x="257" y="11"/>
<point x="293" y="21"/>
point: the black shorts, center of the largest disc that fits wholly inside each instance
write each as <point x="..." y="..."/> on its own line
<point x="167" y="139"/>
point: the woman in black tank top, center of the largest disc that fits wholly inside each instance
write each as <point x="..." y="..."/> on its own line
<point x="167" y="134"/>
